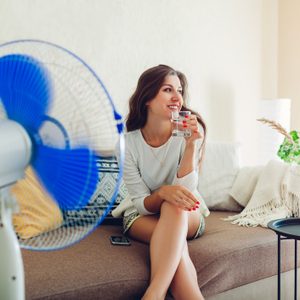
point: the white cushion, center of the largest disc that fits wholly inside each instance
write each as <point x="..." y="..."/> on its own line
<point x="245" y="184"/>
<point x="217" y="174"/>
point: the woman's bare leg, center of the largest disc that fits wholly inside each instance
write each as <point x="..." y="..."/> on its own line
<point x="166" y="247"/>
<point x="185" y="284"/>
<point x="168" y="250"/>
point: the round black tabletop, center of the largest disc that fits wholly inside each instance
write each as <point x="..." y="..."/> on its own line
<point x="288" y="227"/>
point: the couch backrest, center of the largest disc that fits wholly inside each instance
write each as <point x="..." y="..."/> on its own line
<point x="217" y="174"/>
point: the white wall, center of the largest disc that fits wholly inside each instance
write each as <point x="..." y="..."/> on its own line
<point x="225" y="48"/>
<point x="289" y="56"/>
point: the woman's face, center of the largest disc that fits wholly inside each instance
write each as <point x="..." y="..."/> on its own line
<point x="168" y="99"/>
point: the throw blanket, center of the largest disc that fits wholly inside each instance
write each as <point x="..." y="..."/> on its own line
<point x="268" y="193"/>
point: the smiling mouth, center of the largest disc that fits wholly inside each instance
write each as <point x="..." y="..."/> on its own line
<point x="173" y="107"/>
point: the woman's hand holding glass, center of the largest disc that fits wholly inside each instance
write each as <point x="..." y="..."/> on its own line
<point x="185" y="124"/>
<point x="192" y="124"/>
<point x="180" y="196"/>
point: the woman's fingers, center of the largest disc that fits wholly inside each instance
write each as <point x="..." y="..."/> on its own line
<point x="191" y="198"/>
<point x="192" y="124"/>
<point x="185" y="198"/>
<point x="189" y="206"/>
<point x="180" y="196"/>
<point x="188" y="194"/>
<point x="182" y="203"/>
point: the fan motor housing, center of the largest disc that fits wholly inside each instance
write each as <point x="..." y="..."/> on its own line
<point x="15" y="152"/>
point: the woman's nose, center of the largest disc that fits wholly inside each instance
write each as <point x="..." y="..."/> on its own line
<point x="176" y="96"/>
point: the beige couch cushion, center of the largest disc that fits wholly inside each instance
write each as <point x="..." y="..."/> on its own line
<point x="226" y="256"/>
<point x="38" y="212"/>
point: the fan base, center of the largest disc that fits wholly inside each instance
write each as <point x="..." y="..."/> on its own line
<point x="12" y="286"/>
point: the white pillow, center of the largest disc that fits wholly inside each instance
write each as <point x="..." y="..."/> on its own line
<point x="245" y="184"/>
<point x="217" y="174"/>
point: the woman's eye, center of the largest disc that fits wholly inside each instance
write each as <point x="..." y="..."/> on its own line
<point x="167" y="90"/>
<point x="180" y="92"/>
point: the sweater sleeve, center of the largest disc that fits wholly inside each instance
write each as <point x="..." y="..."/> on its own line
<point x="190" y="181"/>
<point x="135" y="185"/>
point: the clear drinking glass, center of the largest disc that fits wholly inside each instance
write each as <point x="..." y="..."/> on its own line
<point x="178" y="125"/>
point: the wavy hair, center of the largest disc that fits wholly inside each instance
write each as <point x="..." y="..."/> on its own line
<point x="147" y="88"/>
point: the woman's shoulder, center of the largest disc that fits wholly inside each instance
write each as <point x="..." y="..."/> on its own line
<point x="132" y="135"/>
<point x="133" y="138"/>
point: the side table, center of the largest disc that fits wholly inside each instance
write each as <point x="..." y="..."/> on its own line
<point x="286" y="229"/>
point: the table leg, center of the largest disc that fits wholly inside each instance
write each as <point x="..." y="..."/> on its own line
<point x="295" y="287"/>
<point x="278" y="266"/>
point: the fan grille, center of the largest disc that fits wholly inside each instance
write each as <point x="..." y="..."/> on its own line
<point x="81" y="106"/>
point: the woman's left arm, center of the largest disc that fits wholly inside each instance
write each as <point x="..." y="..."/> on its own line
<point x="188" y="160"/>
<point x="187" y="164"/>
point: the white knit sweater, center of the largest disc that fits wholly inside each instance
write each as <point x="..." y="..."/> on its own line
<point x="147" y="168"/>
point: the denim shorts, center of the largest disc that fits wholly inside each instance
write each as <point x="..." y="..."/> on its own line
<point x="132" y="215"/>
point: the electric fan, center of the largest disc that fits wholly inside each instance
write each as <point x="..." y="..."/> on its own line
<point x="56" y="121"/>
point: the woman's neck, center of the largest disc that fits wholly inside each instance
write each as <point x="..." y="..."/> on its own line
<point x="157" y="133"/>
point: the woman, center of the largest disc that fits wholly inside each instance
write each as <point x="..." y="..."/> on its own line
<point x="160" y="172"/>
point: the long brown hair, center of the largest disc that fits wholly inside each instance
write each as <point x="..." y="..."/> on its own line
<point x="147" y="88"/>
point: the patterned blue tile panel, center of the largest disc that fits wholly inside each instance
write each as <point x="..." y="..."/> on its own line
<point x="108" y="175"/>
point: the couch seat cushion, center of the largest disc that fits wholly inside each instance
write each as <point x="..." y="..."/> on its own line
<point x="226" y="256"/>
<point x="91" y="269"/>
<point x="229" y="256"/>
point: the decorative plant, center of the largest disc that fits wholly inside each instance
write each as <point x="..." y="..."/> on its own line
<point x="289" y="150"/>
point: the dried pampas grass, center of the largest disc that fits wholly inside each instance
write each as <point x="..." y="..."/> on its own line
<point x="277" y="127"/>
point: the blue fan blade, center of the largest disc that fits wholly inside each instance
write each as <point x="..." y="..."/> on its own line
<point x="69" y="175"/>
<point x="24" y="90"/>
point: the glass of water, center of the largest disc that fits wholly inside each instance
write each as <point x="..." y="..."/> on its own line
<point x="178" y="118"/>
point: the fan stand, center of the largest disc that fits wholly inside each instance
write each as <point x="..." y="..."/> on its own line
<point x="12" y="286"/>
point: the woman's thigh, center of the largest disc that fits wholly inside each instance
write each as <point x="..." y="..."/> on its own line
<point x="143" y="227"/>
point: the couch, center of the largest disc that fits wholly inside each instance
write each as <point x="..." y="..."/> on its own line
<point x="232" y="262"/>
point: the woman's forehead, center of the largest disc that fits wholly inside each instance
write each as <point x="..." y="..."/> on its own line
<point x="172" y="80"/>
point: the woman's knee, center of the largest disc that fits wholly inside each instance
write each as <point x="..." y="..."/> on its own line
<point x="168" y="210"/>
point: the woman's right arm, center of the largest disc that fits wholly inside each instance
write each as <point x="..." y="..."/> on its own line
<point x="176" y="194"/>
